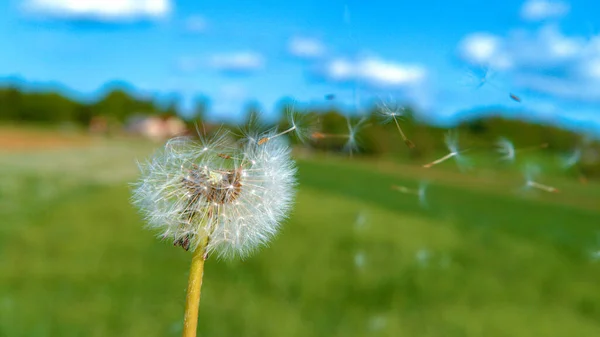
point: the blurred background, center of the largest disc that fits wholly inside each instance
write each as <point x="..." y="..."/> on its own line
<point x="88" y="88"/>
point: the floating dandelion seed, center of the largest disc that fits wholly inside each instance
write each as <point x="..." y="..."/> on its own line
<point x="420" y="192"/>
<point x="508" y="151"/>
<point x="361" y="221"/>
<point x="572" y="159"/>
<point x="393" y="112"/>
<point x="359" y="259"/>
<point x="302" y="125"/>
<point x="422" y="257"/>
<point x="215" y="196"/>
<point x="451" y="140"/>
<point x="480" y="78"/>
<point x="515" y="98"/>
<point x="352" y="142"/>
<point x="351" y="137"/>
<point x="531" y="172"/>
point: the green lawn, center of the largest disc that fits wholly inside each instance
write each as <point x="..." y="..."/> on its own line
<point x="355" y="259"/>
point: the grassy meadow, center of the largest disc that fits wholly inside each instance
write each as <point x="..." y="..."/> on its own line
<point x="356" y="258"/>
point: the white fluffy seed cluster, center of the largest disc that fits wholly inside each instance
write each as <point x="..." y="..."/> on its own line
<point x="234" y="194"/>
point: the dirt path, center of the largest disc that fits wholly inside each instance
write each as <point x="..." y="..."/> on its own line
<point x="19" y="140"/>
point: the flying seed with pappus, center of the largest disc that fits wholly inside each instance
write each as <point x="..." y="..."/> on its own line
<point x="451" y="141"/>
<point x="394" y="113"/>
<point x="507" y="149"/>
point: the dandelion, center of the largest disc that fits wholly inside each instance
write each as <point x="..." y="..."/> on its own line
<point x="419" y="192"/>
<point x="389" y="113"/>
<point x="217" y="197"/>
<point x="508" y="151"/>
<point x="451" y="141"/>
<point x="530" y="173"/>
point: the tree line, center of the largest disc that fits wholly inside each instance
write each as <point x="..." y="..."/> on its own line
<point x="372" y="136"/>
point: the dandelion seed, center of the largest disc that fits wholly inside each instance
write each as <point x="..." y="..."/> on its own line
<point x="420" y="192"/>
<point x="359" y="260"/>
<point x="389" y="112"/>
<point x="352" y="143"/>
<point x="508" y="151"/>
<point x="422" y="257"/>
<point x="302" y="124"/>
<point x="451" y="141"/>
<point x="572" y="159"/>
<point x="515" y="98"/>
<point x="530" y="173"/>
<point x="360" y="221"/>
<point x="481" y="77"/>
<point x="377" y="323"/>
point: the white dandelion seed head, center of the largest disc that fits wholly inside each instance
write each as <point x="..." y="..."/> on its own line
<point x="506" y="149"/>
<point x="236" y="195"/>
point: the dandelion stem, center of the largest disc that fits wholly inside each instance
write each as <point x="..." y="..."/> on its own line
<point x="192" y="300"/>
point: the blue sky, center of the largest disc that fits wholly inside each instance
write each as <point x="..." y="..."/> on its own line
<point x="427" y="53"/>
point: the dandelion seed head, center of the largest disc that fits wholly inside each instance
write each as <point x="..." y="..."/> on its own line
<point x="234" y="194"/>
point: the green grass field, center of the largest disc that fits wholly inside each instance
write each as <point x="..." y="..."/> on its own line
<point x="355" y="259"/>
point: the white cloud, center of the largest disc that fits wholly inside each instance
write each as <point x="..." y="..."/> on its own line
<point x="537" y="10"/>
<point x="196" y="24"/>
<point x="307" y="48"/>
<point x="240" y="62"/>
<point x="374" y="71"/>
<point x="545" y="61"/>
<point x="102" y="10"/>
<point x="484" y="49"/>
